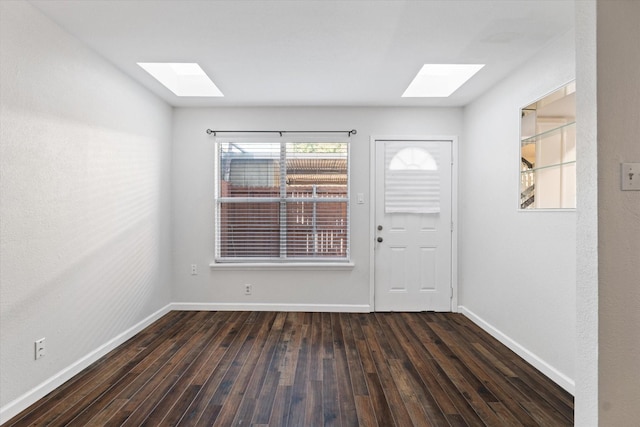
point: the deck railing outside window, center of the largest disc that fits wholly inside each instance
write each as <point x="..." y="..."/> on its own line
<point x="282" y="202"/>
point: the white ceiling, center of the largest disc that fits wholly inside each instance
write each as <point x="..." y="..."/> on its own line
<point x="310" y="52"/>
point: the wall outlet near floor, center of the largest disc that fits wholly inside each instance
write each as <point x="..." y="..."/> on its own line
<point x="194" y="269"/>
<point x="40" y="349"/>
<point x="247" y="289"/>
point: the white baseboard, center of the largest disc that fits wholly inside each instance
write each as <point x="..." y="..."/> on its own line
<point x="558" y="377"/>
<point x="13" y="408"/>
<point x="339" y="308"/>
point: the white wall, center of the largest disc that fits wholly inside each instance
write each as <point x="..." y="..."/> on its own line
<point x="84" y="202"/>
<point x="517" y="269"/>
<point x="618" y="112"/>
<point x="86" y="248"/>
<point x="586" y="378"/>
<point x="193" y="190"/>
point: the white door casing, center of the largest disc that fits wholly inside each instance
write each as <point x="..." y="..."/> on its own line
<point x="413" y="238"/>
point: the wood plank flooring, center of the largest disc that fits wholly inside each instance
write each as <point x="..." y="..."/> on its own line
<point x="307" y="369"/>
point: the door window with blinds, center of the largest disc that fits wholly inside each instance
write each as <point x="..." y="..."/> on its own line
<point x="412" y="179"/>
<point x="282" y="200"/>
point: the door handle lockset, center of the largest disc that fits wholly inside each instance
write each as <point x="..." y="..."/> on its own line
<point x="379" y="239"/>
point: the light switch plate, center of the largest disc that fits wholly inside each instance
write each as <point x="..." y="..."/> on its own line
<point x="630" y="176"/>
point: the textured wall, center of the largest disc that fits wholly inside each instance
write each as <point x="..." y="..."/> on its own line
<point x="84" y="200"/>
<point x="586" y="396"/>
<point x="84" y="206"/>
<point x="193" y="190"/>
<point x="517" y="269"/>
<point x="618" y="32"/>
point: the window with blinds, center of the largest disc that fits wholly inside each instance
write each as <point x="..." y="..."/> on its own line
<point x="282" y="201"/>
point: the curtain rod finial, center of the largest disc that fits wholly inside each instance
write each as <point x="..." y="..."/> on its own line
<point x="353" y="132"/>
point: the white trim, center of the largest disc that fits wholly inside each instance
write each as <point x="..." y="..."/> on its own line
<point x="547" y="210"/>
<point x="558" y="377"/>
<point x="16" y="406"/>
<point x="455" y="221"/>
<point x="372" y="219"/>
<point x="454" y="208"/>
<point x="232" y="306"/>
<point x="319" y="266"/>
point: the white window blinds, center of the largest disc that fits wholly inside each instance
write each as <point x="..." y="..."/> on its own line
<point x="412" y="181"/>
<point x="282" y="200"/>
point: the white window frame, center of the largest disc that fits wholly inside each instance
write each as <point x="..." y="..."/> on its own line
<point x="283" y="261"/>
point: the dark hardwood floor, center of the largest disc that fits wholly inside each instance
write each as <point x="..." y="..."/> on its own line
<point x="307" y="369"/>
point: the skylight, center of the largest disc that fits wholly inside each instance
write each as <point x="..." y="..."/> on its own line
<point x="440" y="80"/>
<point x="183" y="79"/>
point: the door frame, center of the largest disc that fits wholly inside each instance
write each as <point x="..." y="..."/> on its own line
<point x="454" y="208"/>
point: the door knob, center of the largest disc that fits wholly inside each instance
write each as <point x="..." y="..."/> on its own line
<point x="379" y="227"/>
<point x="380" y="239"/>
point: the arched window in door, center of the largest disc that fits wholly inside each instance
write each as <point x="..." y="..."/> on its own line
<point x="412" y="181"/>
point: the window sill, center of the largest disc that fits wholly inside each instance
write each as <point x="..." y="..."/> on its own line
<point x="318" y="266"/>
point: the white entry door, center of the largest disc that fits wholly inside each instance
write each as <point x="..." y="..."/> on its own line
<point x="413" y="211"/>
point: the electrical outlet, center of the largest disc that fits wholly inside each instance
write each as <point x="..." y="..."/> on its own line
<point x="194" y="269"/>
<point x="40" y="350"/>
<point x="248" y="289"/>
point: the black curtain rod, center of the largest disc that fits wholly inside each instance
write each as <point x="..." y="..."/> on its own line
<point x="281" y="132"/>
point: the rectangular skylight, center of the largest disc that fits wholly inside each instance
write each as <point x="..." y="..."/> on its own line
<point x="183" y="79"/>
<point x="440" y="80"/>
